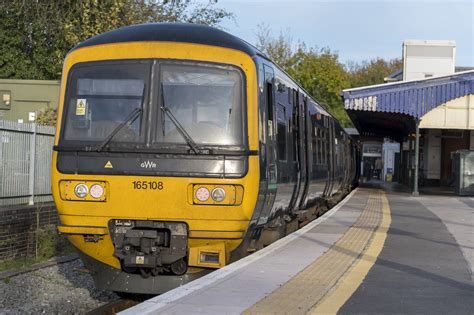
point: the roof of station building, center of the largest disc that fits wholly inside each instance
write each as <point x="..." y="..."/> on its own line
<point x="414" y="98"/>
<point x="376" y="108"/>
<point x="172" y="32"/>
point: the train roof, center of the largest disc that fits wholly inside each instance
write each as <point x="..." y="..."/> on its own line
<point x="172" y="32"/>
<point x="182" y="33"/>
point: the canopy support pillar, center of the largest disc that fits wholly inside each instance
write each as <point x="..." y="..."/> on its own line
<point x="417" y="157"/>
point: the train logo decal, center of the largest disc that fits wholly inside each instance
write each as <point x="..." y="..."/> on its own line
<point x="108" y="165"/>
<point x="148" y="164"/>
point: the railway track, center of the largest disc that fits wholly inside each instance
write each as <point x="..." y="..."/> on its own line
<point x="52" y="262"/>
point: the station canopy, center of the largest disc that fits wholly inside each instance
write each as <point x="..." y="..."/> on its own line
<point x="391" y="109"/>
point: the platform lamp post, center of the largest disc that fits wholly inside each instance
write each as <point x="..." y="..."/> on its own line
<point x="417" y="156"/>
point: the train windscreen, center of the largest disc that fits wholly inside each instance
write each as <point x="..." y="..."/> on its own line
<point x="101" y="98"/>
<point x="206" y="100"/>
<point x="120" y="103"/>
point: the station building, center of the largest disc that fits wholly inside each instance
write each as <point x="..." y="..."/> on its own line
<point x="21" y="99"/>
<point x="429" y="113"/>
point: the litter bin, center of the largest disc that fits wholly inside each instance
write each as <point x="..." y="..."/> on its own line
<point x="464" y="172"/>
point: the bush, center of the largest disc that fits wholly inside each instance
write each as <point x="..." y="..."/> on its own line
<point x="51" y="244"/>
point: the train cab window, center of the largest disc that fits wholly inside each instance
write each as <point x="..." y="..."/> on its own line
<point x="281" y="132"/>
<point x="206" y="99"/>
<point x="101" y="97"/>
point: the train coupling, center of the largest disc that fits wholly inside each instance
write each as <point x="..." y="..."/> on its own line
<point x="150" y="248"/>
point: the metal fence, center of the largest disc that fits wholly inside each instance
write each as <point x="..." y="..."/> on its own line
<point x="25" y="163"/>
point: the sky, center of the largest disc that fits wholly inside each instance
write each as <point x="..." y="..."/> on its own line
<point x="358" y="30"/>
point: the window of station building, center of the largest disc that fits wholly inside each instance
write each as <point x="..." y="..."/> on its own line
<point x="372" y="149"/>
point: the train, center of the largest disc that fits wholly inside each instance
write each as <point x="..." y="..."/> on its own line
<point x="181" y="148"/>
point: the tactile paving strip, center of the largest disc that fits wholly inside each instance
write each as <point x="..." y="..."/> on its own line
<point x="307" y="288"/>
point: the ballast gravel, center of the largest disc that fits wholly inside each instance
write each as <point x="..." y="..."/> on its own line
<point x="60" y="289"/>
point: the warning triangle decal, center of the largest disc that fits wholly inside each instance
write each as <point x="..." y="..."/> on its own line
<point x="108" y="165"/>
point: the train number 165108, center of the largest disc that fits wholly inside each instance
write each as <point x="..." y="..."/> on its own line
<point x="143" y="184"/>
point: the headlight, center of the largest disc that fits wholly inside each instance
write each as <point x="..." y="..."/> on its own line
<point x="202" y="194"/>
<point x="97" y="191"/>
<point x="81" y="190"/>
<point x="218" y="194"/>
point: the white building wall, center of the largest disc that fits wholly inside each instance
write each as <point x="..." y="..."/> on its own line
<point x="455" y="114"/>
<point x="428" y="58"/>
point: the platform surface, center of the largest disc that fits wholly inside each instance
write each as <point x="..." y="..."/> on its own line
<point x="376" y="252"/>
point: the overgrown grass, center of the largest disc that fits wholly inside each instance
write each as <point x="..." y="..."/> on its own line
<point x="50" y="244"/>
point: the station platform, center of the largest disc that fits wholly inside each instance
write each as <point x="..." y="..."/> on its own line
<point x="379" y="251"/>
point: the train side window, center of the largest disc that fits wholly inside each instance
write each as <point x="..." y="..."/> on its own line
<point x="325" y="148"/>
<point x="320" y="145"/>
<point x="316" y="146"/>
<point x="270" y="108"/>
<point x="295" y="125"/>
<point x="281" y="132"/>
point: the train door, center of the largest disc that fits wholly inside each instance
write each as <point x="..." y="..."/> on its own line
<point x="303" y="152"/>
<point x="297" y="165"/>
<point x="335" y="158"/>
<point x="327" y="135"/>
<point x="332" y="157"/>
<point x="339" y="162"/>
<point x="271" y="149"/>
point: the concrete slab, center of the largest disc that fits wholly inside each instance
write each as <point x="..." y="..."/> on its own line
<point x="421" y="269"/>
<point x="238" y="286"/>
<point x="425" y="266"/>
<point x="457" y="213"/>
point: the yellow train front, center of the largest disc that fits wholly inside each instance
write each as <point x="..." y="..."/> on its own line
<point x="163" y="166"/>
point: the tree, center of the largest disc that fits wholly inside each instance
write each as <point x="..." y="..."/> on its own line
<point x="279" y="49"/>
<point x="47" y="116"/>
<point x="373" y="71"/>
<point x="36" y="35"/>
<point x="323" y="76"/>
<point x="318" y="71"/>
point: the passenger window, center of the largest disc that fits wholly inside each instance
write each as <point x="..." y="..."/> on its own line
<point x="323" y="147"/>
<point x="315" y="146"/>
<point x="281" y="132"/>
<point x="320" y="145"/>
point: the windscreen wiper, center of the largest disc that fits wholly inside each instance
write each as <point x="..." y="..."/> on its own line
<point x="178" y="126"/>
<point x="127" y="121"/>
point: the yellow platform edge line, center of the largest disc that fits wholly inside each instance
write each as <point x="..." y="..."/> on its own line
<point x="349" y="283"/>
